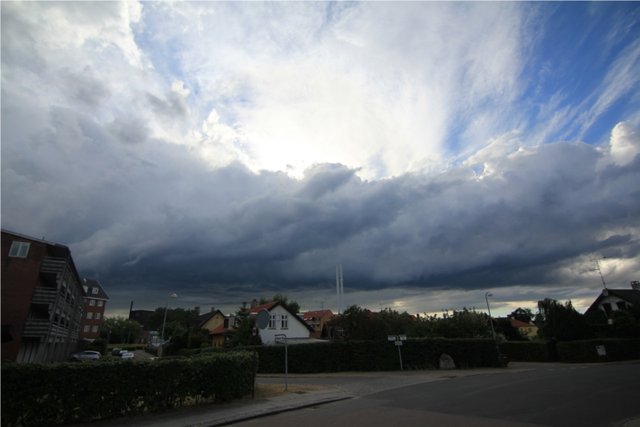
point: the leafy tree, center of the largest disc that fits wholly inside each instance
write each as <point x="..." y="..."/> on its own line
<point x="463" y="324"/>
<point x="561" y="322"/>
<point x="243" y="335"/>
<point x="506" y="329"/>
<point x="120" y="330"/>
<point x="522" y="314"/>
<point x="357" y="323"/>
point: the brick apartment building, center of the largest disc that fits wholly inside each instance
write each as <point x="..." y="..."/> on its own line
<point x="95" y="302"/>
<point x="41" y="300"/>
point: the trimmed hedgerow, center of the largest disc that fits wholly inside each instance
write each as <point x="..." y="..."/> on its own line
<point x="43" y="395"/>
<point x="529" y="351"/>
<point x="585" y="350"/>
<point x="377" y="355"/>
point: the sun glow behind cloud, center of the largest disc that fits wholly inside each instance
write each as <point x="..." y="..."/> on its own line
<point x="422" y="144"/>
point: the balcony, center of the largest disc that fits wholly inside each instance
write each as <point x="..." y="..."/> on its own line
<point x="44" y="295"/>
<point x="41" y="328"/>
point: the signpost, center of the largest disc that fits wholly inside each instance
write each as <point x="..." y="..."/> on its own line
<point x="282" y="339"/>
<point x="398" y="340"/>
<point x="262" y="321"/>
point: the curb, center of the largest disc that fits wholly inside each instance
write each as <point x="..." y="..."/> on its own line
<point x="259" y="413"/>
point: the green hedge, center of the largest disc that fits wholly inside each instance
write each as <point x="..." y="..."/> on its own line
<point x="529" y="351"/>
<point x="377" y="355"/>
<point x="43" y="395"/>
<point x="585" y="350"/>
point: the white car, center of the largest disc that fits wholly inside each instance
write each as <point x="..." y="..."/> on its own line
<point x="126" y="355"/>
<point x="86" y="355"/>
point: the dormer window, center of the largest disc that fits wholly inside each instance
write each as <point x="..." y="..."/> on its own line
<point x="94" y="291"/>
<point x="19" y="249"/>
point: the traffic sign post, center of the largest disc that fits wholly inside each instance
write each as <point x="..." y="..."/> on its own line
<point x="398" y="340"/>
<point x="282" y="339"/>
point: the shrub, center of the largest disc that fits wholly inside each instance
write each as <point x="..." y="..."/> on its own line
<point x="43" y="395"/>
<point x="377" y="355"/>
<point x="529" y="351"/>
<point x="585" y="350"/>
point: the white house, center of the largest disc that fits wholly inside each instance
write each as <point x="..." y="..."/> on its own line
<point x="282" y="322"/>
<point x="611" y="300"/>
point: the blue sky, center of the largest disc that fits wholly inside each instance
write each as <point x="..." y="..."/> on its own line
<point x="227" y="151"/>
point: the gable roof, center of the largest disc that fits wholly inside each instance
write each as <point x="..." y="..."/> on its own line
<point x="630" y="295"/>
<point x="317" y="313"/>
<point x="90" y="284"/>
<point x="204" y="318"/>
<point x="273" y="304"/>
<point x="268" y="306"/>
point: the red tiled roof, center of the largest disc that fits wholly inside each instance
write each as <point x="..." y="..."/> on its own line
<point x="268" y="306"/>
<point x="219" y="330"/>
<point x="519" y="323"/>
<point x="317" y="313"/>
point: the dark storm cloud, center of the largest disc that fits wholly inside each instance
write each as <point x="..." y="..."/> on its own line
<point x="151" y="215"/>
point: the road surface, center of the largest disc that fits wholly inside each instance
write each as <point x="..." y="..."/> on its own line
<point x="549" y="395"/>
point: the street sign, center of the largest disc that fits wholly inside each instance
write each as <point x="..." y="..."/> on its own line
<point x="397" y="340"/>
<point x="262" y="319"/>
<point x="282" y="339"/>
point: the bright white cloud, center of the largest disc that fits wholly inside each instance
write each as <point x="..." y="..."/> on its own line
<point x="140" y="134"/>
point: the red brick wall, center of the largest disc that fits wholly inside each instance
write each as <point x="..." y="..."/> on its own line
<point x="19" y="280"/>
<point x="93" y="321"/>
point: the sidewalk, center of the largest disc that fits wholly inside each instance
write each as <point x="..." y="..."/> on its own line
<point x="223" y="414"/>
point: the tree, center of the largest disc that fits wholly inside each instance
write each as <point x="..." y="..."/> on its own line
<point x="120" y="330"/>
<point x="522" y="314"/>
<point x="463" y="324"/>
<point x="243" y="335"/>
<point x="561" y="322"/>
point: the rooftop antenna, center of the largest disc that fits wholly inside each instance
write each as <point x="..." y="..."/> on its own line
<point x="604" y="285"/>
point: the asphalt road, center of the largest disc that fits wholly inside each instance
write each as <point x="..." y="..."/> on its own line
<point x="550" y="395"/>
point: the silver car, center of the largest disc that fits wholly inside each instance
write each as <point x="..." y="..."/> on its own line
<point x="86" y="355"/>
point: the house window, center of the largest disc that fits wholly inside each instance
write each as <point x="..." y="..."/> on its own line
<point x="94" y="328"/>
<point x="94" y="291"/>
<point x="621" y="305"/>
<point x="92" y="302"/>
<point x="86" y="328"/>
<point x="98" y="315"/>
<point x="284" y="322"/>
<point x="272" y="321"/>
<point x="19" y="249"/>
<point x="89" y="315"/>
<point x="100" y="303"/>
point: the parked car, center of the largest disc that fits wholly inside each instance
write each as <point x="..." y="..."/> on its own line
<point x="86" y="355"/>
<point x="126" y="355"/>
<point x="116" y="351"/>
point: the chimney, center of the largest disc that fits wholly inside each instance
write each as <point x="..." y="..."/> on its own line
<point x="254" y="303"/>
<point x="212" y="309"/>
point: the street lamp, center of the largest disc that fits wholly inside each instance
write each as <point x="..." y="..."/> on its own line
<point x="486" y="297"/>
<point x="164" y="321"/>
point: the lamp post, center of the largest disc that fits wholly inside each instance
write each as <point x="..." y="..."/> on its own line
<point x="486" y="297"/>
<point x="164" y="321"/>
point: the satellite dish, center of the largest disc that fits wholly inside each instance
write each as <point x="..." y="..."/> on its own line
<point x="262" y="319"/>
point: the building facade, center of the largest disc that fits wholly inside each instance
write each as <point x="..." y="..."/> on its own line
<point x="95" y="302"/>
<point x="42" y="300"/>
<point x="281" y="322"/>
<point x="319" y="320"/>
